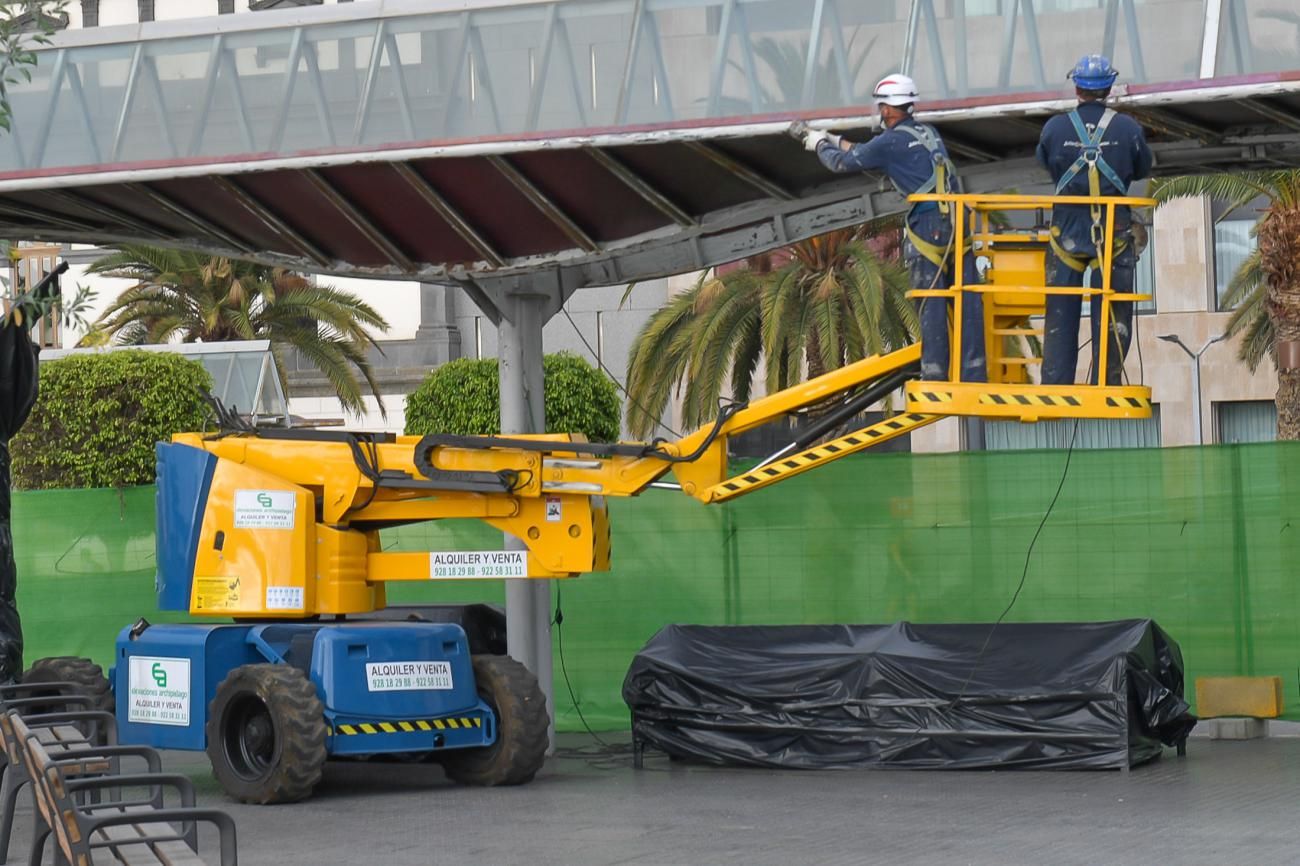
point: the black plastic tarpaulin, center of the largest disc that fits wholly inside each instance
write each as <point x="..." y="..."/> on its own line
<point x="1038" y="695"/>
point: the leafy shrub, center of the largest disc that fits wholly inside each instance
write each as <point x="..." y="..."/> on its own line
<point x="98" y="416"/>
<point x="464" y="398"/>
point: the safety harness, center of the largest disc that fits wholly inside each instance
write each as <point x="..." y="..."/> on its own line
<point x="1093" y="160"/>
<point x="942" y="176"/>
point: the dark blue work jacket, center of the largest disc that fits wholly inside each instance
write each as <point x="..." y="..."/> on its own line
<point x="1125" y="150"/>
<point x="900" y="156"/>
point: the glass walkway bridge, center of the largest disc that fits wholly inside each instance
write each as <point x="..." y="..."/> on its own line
<point x="589" y="141"/>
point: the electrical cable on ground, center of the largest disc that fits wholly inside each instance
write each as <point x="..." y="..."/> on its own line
<point x="612" y="377"/>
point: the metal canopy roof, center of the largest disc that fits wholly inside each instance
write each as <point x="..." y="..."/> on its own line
<point x="561" y="144"/>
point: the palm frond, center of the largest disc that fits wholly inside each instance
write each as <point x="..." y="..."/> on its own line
<point x="654" y="367"/>
<point x="1241" y="187"/>
<point x="1247" y="295"/>
<point x="745" y="356"/>
<point x="190" y="296"/>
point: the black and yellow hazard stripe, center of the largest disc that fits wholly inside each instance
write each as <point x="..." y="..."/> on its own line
<point x="1028" y="402"/>
<point x="996" y="399"/>
<point x="881" y="431"/>
<point x="409" y="726"/>
<point x="935" y="397"/>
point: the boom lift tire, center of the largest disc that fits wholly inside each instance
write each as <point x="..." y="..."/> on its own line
<point x="266" y="734"/>
<point x="512" y="692"/>
<point x="88" y="676"/>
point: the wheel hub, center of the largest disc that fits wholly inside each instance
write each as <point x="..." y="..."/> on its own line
<point x="249" y="739"/>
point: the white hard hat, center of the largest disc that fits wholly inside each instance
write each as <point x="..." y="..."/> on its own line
<point x="897" y="90"/>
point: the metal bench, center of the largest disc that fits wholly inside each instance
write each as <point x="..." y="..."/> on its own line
<point x="49" y="709"/>
<point x="124" y="832"/>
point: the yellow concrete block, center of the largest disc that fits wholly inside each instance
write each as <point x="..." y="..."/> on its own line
<point x="1256" y="697"/>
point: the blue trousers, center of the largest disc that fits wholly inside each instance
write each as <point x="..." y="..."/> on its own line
<point x="935" y="313"/>
<point x="1061" y="329"/>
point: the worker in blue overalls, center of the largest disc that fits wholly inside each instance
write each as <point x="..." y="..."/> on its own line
<point x="1092" y="150"/>
<point x="914" y="158"/>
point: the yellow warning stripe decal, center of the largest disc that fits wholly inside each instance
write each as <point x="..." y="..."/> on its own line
<point x="1030" y="400"/>
<point x="408" y="726"/>
<point x="1134" y="402"/>
<point x="794" y="464"/>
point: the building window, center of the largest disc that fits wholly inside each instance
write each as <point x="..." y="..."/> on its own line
<point x="259" y="5"/>
<point x="1093" y="433"/>
<point x="1233" y="243"/>
<point x="1246" y="421"/>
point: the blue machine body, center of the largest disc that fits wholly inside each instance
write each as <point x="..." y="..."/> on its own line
<point x="184" y="477"/>
<point x="385" y="687"/>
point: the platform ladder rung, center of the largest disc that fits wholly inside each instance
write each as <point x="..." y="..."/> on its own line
<point x="1018" y="332"/>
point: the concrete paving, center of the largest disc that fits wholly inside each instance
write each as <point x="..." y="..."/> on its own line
<point x="1226" y="802"/>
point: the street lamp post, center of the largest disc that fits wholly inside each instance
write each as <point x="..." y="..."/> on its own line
<point x="1196" y="378"/>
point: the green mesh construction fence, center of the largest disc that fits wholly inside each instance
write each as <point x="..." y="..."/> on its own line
<point x="1204" y="540"/>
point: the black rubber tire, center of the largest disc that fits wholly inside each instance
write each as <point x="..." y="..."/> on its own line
<point x="88" y="676"/>
<point x="266" y="734"/>
<point x="512" y="692"/>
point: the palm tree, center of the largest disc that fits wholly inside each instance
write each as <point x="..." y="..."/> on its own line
<point x="195" y="297"/>
<point x="835" y="299"/>
<point x="1266" y="287"/>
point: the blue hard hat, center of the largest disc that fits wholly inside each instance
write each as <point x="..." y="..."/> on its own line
<point x="1093" y="72"/>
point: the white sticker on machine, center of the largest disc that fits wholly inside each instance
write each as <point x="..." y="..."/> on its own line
<point x="407" y="676"/>
<point x="284" y="598"/>
<point x="553" y="509"/>
<point x="159" y="691"/>
<point x="478" y="563"/>
<point x="264" y="509"/>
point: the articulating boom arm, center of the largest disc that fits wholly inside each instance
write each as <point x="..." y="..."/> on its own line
<point x="278" y="507"/>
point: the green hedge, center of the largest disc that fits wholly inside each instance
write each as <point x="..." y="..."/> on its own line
<point x="463" y="398"/>
<point x="98" y="416"/>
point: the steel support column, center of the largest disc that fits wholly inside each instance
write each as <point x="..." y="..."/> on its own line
<point x="528" y="602"/>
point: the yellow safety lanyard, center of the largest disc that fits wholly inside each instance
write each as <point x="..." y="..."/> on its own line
<point x="933" y="252"/>
<point x="1076" y="262"/>
<point x="942" y="176"/>
<point x="1093" y="160"/>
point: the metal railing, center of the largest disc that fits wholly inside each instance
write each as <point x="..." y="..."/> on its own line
<point x="976" y="233"/>
<point x="386" y="74"/>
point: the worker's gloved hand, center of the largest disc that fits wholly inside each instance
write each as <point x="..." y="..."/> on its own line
<point x="1140" y="237"/>
<point x="810" y="138"/>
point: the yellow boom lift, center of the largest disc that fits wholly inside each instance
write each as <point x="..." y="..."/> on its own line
<point x="278" y="528"/>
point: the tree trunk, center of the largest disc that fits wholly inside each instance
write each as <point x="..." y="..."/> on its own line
<point x="1279" y="247"/>
<point x="1288" y="404"/>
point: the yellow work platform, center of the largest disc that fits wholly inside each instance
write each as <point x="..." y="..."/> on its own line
<point x="1014" y="292"/>
<point x="1028" y="402"/>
